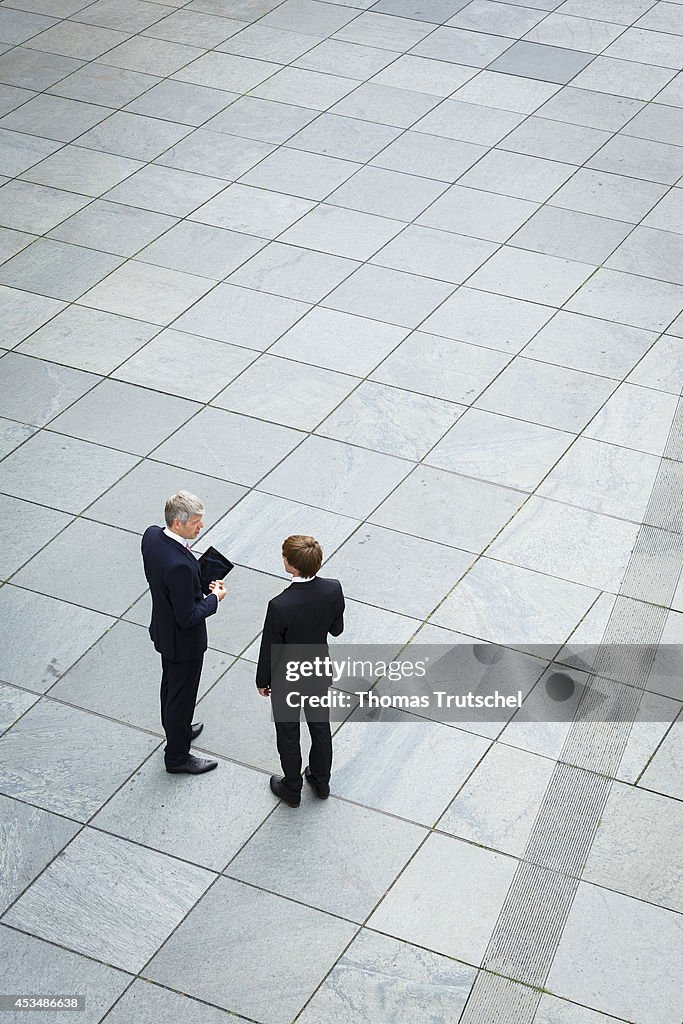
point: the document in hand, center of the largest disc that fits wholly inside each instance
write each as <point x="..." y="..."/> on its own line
<point x="213" y="566"/>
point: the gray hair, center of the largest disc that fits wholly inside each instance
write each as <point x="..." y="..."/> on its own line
<point x="182" y="506"/>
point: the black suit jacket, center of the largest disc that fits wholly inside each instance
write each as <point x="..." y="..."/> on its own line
<point x="179" y="609"/>
<point x="304" y="613"/>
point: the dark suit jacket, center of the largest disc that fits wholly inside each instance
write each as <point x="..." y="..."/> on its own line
<point x="304" y="613"/>
<point x="179" y="609"/>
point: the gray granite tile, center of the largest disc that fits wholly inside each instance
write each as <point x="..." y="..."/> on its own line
<point x="390" y="420"/>
<point x="595" y="346"/>
<point x="635" y="417"/>
<point x="293" y="272"/>
<point x="361" y="563"/>
<point x="572" y="235"/>
<point x="31" y="69"/>
<point x="23" y="312"/>
<point x="504" y="604"/>
<point x="498" y="804"/>
<point x="62" y="472"/>
<point x="211" y="153"/>
<point x="242" y="316"/>
<point x="603" y="478"/>
<point x="167" y="814"/>
<point x="662" y="773"/>
<point x="515" y="174"/>
<point x="635" y="845"/>
<point x="181" y="102"/>
<point x="656" y="122"/>
<point x="48" y="636"/>
<point x="403" y="765"/>
<point x="660" y="48"/>
<point x="28" y="528"/>
<point x="123" y="14"/>
<point x="530" y="275"/>
<point x="119" y="677"/>
<point x="608" y="195"/>
<point x="623" y="78"/>
<point x="33" y="964"/>
<point x="358" y="853"/>
<point x="475" y="49"/>
<point x="558" y="1011"/>
<point x="82" y="170"/>
<point x="448" y="509"/>
<point x="308" y="17"/>
<point x="11" y="97"/>
<point x="436" y="254"/>
<point x="353" y="60"/>
<point x="238" y="920"/>
<point x="147" y="1004"/>
<point x="19" y="152"/>
<point x="166" y="190"/>
<point x="506" y="92"/>
<point x="37" y="391"/>
<point x="73" y="566"/>
<point x="260" y="119"/>
<point x="54" y="117"/>
<point x="570" y="543"/>
<point x="555" y="140"/>
<point x="484" y="878"/>
<point x="267" y="43"/>
<point x="382" y="977"/>
<point x="137" y="419"/>
<point x="499" y="449"/>
<point x="149" y="293"/>
<point x="387" y="193"/>
<point x="335" y="476"/>
<point x="248" y="595"/>
<point x="12" y="242"/>
<point x="192" y="27"/>
<point x="398" y="108"/>
<point x="484" y="126"/>
<point x="35" y="208"/>
<point x="577" y="33"/>
<point x="151" y="56"/>
<point x="13" y="434"/>
<point x="13" y="703"/>
<point x="424" y="74"/>
<point x="110" y="227"/>
<point x="384" y="31"/>
<point x="640" y="158"/>
<point x="347" y="137"/>
<point x="474" y="212"/>
<point x="661" y="367"/>
<point x="629" y="299"/>
<point x="430" y="156"/>
<point x="594" y="963"/>
<point x="305" y="88"/>
<point x="306" y="175"/>
<point x="57" y="270"/>
<point x="270" y="389"/>
<point x="663" y="16"/>
<point x="668" y="213"/>
<point x="228" y="446"/>
<point x="550" y="395"/>
<point x="238" y="723"/>
<point x="88" y="339"/>
<point x="342" y="232"/>
<point x="78" y="892"/>
<point x="441" y="367"/>
<point x="185" y="365"/>
<point x="66" y="772"/>
<point x="590" y="109"/>
<point x="388" y="295"/>
<point x="253" y="211"/>
<point x="547" y="63"/>
<point x="255" y="529"/>
<point x="650" y="253"/>
<point x="113" y="87"/>
<point x="18" y="26"/>
<point x="31" y="839"/>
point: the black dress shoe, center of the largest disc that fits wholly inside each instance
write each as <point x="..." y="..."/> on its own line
<point x="281" y="794"/>
<point x="193" y="766"/>
<point x="322" y="791"/>
<point x="196" y="728"/>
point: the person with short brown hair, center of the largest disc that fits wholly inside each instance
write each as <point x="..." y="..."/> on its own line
<point x="303" y="614"/>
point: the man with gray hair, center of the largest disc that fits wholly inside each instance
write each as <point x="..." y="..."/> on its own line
<point x="178" y="626"/>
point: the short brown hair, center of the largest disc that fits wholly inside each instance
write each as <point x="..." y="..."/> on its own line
<point x="303" y="553"/>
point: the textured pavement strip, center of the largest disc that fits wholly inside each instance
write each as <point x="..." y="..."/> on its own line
<point x="528" y="930"/>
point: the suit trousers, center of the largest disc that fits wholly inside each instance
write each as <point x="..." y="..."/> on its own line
<point x="289" y="748"/>
<point x="179" y="685"/>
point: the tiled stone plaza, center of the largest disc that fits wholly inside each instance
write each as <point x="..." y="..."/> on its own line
<point x="405" y="275"/>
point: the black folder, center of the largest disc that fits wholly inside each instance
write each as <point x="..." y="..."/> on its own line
<point x="213" y="566"/>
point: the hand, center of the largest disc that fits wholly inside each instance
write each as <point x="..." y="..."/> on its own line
<point x="216" y="587"/>
<point x="264" y="691"/>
